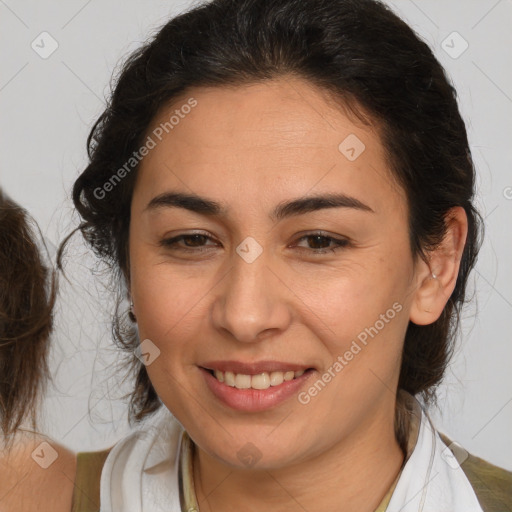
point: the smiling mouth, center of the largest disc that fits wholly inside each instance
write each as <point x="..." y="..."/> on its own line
<point x="262" y="380"/>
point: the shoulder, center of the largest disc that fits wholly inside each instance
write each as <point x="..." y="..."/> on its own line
<point x="87" y="479"/>
<point x="492" y="484"/>
<point x="36" y="473"/>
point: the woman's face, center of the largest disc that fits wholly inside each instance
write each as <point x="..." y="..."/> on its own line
<point x="260" y="286"/>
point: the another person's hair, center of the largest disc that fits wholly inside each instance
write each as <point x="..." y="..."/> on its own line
<point x="27" y="297"/>
<point x="373" y="65"/>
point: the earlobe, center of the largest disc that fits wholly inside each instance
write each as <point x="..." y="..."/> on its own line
<point x="131" y="312"/>
<point x="428" y="302"/>
<point x="438" y="277"/>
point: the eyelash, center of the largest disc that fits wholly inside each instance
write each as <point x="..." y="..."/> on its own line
<point x="340" y="243"/>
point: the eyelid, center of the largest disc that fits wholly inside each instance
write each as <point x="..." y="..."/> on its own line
<point x="339" y="241"/>
<point x="167" y="240"/>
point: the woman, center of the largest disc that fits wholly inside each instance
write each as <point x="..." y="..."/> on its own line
<point x="31" y="465"/>
<point x="285" y="191"/>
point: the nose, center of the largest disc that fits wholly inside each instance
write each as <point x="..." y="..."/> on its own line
<point x="253" y="302"/>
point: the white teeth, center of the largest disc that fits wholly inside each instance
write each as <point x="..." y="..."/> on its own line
<point x="276" y="378"/>
<point x="229" y="378"/>
<point x="260" y="381"/>
<point x="242" y="381"/>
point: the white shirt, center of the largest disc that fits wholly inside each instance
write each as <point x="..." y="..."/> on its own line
<point x="142" y="472"/>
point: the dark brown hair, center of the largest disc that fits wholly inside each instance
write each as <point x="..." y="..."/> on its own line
<point x="358" y="50"/>
<point x="27" y="297"/>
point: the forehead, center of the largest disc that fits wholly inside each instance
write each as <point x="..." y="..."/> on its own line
<point x="261" y="143"/>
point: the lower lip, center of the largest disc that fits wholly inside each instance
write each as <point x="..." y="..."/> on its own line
<point x="254" y="400"/>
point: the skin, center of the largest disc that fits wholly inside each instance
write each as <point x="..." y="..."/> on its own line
<point x="251" y="148"/>
<point x="26" y="486"/>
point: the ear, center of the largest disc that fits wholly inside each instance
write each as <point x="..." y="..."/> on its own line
<point x="432" y="293"/>
<point x="131" y="311"/>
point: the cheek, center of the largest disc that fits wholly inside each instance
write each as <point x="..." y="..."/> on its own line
<point x="364" y="340"/>
<point x="367" y="328"/>
<point x="348" y="301"/>
<point x="165" y="304"/>
<point x="169" y="314"/>
<point x="161" y="298"/>
<point x="360" y="316"/>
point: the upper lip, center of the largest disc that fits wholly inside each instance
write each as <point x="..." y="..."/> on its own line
<point x="253" y="368"/>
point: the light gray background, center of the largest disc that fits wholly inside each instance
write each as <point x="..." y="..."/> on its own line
<point x="48" y="106"/>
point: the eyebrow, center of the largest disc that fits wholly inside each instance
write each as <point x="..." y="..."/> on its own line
<point x="300" y="206"/>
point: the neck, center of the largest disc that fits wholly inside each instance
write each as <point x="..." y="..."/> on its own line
<point x="353" y="475"/>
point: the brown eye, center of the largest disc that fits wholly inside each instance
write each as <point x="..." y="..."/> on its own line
<point x="192" y="242"/>
<point x="320" y="244"/>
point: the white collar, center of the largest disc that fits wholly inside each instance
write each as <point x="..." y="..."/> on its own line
<point x="432" y="479"/>
<point x="141" y="472"/>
